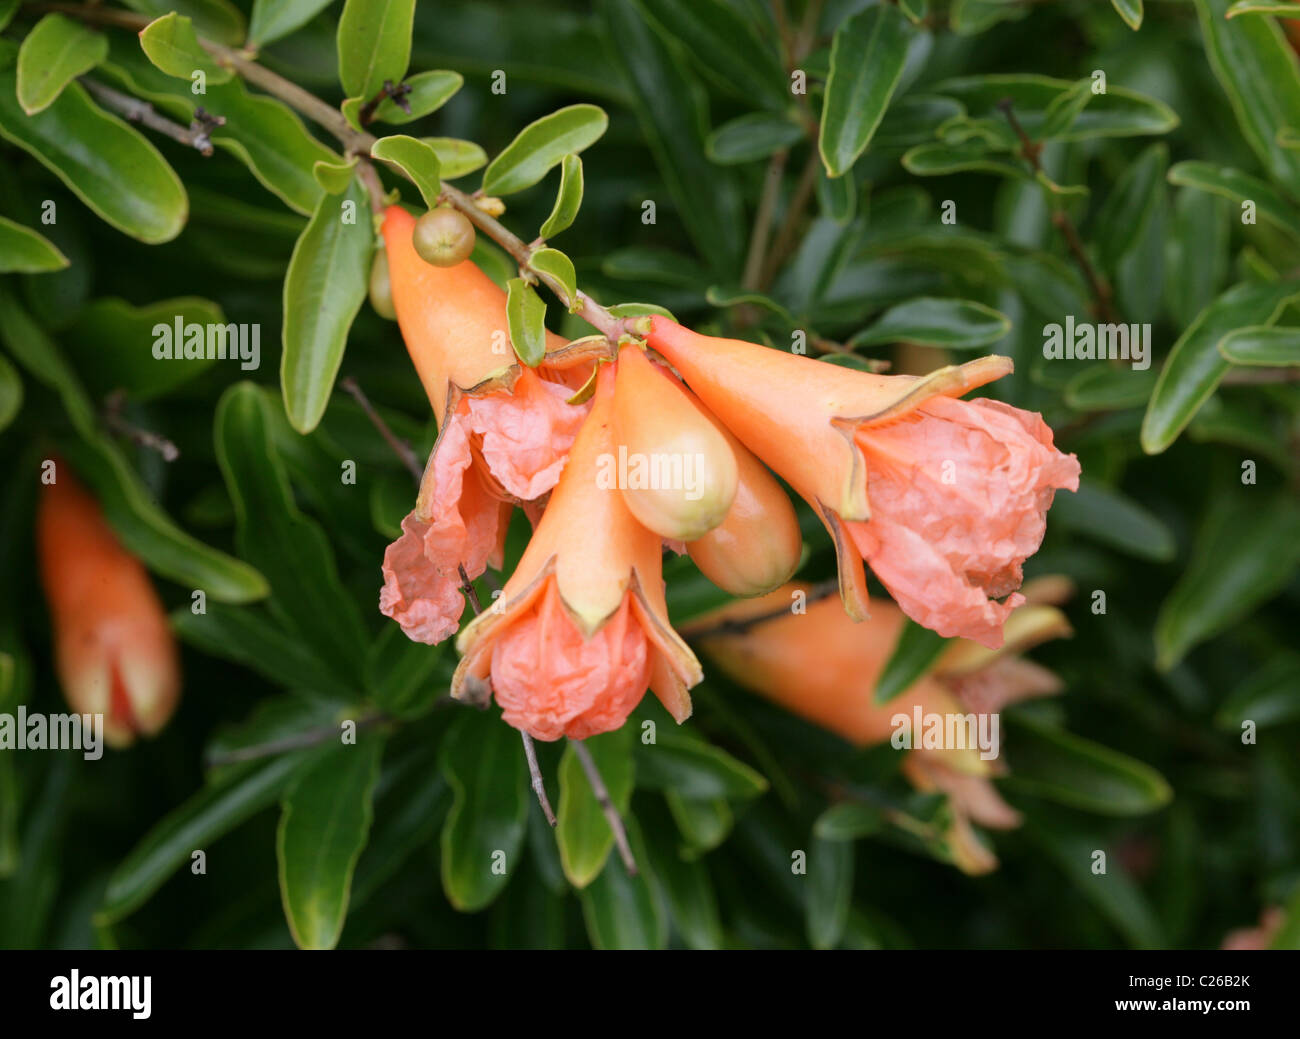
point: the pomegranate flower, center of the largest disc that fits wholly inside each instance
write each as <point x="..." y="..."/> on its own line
<point x="504" y="431"/>
<point x="944" y="498"/>
<point x="113" y="648"/>
<point x="581" y="628"/>
<point x="824" y="667"/>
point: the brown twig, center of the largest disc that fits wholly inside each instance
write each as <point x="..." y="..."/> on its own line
<point x="606" y="805"/>
<point x="136" y="111"/>
<point x="786" y="236"/>
<point x="763" y="221"/>
<point x="1031" y="150"/>
<point x="396" y="93"/>
<point x="535" y="772"/>
<point x="1260" y="376"/>
<point x="400" y="448"/>
<point x="117" y="422"/>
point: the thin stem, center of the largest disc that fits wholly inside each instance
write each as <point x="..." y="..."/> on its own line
<point x="116" y="421"/>
<point x="607" y="806"/>
<point x="763" y="220"/>
<point x="400" y="448"/>
<point x="136" y="111"/>
<point x="467" y="586"/>
<point x="1260" y="376"/>
<point x="535" y="771"/>
<point x="785" y="237"/>
<point x="299" y="741"/>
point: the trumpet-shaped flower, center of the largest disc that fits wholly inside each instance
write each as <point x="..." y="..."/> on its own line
<point x="944" y="498"/>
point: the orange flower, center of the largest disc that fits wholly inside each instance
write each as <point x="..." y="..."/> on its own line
<point x="824" y="667"/>
<point x="114" y="650"/>
<point x="504" y="431"/>
<point x="581" y="628"/>
<point x="1256" y="938"/>
<point x="944" y="498"/>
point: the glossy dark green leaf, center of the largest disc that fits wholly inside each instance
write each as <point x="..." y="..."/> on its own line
<point x="324" y="826"/>
<point x="1106" y="387"/>
<point x="217" y="20"/>
<point x="416" y="159"/>
<point x="970" y="17"/>
<point x="950" y="324"/>
<point x="482" y="840"/>
<point x="660" y="266"/>
<point x="109" y="165"/>
<point x="274" y="19"/>
<point x="686" y="885"/>
<point x="429" y="91"/>
<point x="690" y="766"/>
<point x="1073" y="771"/>
<point x="1273" y="346"/>
<point x="171" y="44"/>
<point x="940" y="160"/>
<point x="526" y="318"/>
<point x="849" y="821"/>
<point x="622" y="911"/>
<point x="867" y="59"/>
<point x="1132" y="206"/>
<point x="752" y="136"/>
<point x="374" y="42"/>
<point x="324" y="287"/>
<point x="1245" y="554"/>
<point x="407" y="677"/>
<point x="241" y="792"/>
<point x="1269" y="696"/>
<point x="1192" y="371"/>
<point x="23" y="251"/>
<point x="1239" y="187"/>
<point x="1130" y="11"/>
<point x="1257" y="70"/>
<point x="914" y="654"/>
<point x="583" y="833"/>
<point x="1196" y="254"/>
<point x="704" y="822"/>
<point x="52" y="55"/>
<point x="837" y="197"/>
<point x="568" y="199"/>
<point x="291" y="549"/>
<point x="1102" y="513"/>
<point x="543" y="144"/>
<point x="830" y="891"/>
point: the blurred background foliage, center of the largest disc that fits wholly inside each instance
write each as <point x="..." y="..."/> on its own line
<point x="1197" y="560"/>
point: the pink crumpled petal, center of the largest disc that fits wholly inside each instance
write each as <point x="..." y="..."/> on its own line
<point x="959" y="492"/>
<point x="1002" y="683"/>
<point x="527" y="433"/>
<point x="551" y="682"/>
<point x="426" y="603"/>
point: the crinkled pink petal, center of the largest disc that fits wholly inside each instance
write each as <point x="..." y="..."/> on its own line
<point x="959" y="492"/>
<point x="551" y="682"/>
<point x="973" y="797"/>
<point x="1006" y="681"/>
<point x="527" y="433"/>
<point x="426" y="603"/>
<point x="464" y="525"/>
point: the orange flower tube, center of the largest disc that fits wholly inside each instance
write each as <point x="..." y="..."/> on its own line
<point x="113" y="648"/>
<point x="944" y="498"/>
<point x="504" y="431"/>
<point x="581" y="627"/>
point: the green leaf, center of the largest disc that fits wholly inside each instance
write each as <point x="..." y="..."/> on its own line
<point x="1262" y="345"/>
<point x="1246" y="553"/>
<point x="970" y="17"/>
<point x="837" y="197"/>
<point x="1131" y="206"/>
<point x="23" y="251"/>
<point x="621" y="911"/>
<point x="1192" y="371"/>
<point x="8" y="8"/>
<point x="750" y="137"/>
<point x="1130" y="11"/>
<point x="914" y="654"/>
<point x="568" y="200"/>
<point x="691" y="767"/>
<point x="374" y="42"/>
<point x="867" y="58"/>
<point x="107" y="164"/>
<point x="704" y="822"/>
<point x="939" y="160"/>
<point x="661" y="266"/>
<point x="274" y="19"/>
<point x="52" y="55"/>
<point x="1108" y="388"/>
<point x="526" y="319"/>
<point x="334" y="177"/>
<point x="482" y="839"/>
<point x="583" y="832"/>
<point x="1077" y="772"/>
<point x="217" y="20"/>
<point x="830" y="891"/>
<point x="416" y="159"/>
<point x="1196" y="254"/>
<point x="557" y="265"/>
<point x="951" y="324"/>
<point x="324" y="826"/>
<point x="543" y="144"/>
<point x="1270" y="696"/>
<point x="1239" y="187"/>
<point x="726" y="46"/>
<point x="11" y="402"/>
<point x="1112" y="518"/>
<point x="407" y="677"/>
<point x="144" y="528"/>
<point x="428" y="92"/>
<point x="1283" y="8"/>
<point x="240" y="793"/>
<point x="170" y="43"/>
<point x="849" y="821"/>
<point x="1257" y="69"/>
<point x="726" y="296"/>
<point x="456" y="158"/>
<point x="686" y="886"/>
<point x="324" y="287"/>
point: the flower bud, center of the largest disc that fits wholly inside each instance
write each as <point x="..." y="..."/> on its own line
<point x="114" y="651"/>
<point x="677" y="472"/>
<point x="381" y="287"/>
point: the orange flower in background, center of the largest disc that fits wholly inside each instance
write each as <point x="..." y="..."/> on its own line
<point x="824" y="667"/>
<point x="504" y="431"/>
<point x="1260" y="937"/>
<point x="581" y="628"/>
<point x="944" y="498"/>
<point x="114" y="650"/>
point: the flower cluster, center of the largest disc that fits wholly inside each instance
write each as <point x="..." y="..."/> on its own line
<point x="671" y="443"/>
